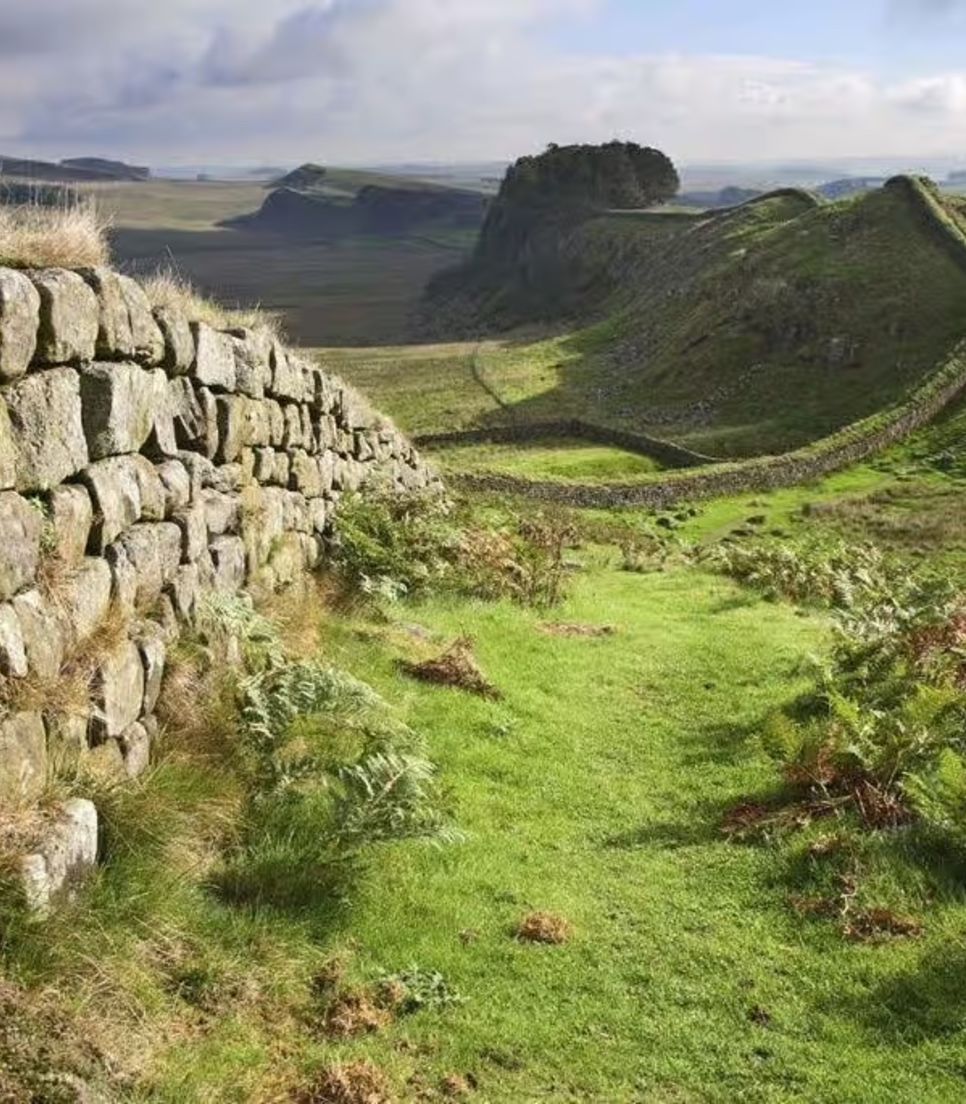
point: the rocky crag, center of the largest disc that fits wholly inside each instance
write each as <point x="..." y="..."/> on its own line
<point x="145" y="462"/>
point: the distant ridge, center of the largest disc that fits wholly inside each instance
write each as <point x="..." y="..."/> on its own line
<point x="75" y="170"/>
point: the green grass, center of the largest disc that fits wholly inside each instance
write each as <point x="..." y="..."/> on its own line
<point x="594" y="789"/>
<point x="548" y="458"/>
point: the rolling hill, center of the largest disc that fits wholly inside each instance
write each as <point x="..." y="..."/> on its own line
<point x="751" y="331"/>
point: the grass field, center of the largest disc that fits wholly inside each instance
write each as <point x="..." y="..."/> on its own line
<point x="593" y="790"/>
<point x="564" y="458"/>
<point x="351" y="292"/>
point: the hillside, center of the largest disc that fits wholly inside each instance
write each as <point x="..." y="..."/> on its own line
<point x="73" y="170"/>
<point x="752" y="331"/>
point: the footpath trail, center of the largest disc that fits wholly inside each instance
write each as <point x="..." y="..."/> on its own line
<point x="595" y="790"/>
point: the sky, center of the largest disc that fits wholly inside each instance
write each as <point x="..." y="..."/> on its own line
<point x="380" y="81"/>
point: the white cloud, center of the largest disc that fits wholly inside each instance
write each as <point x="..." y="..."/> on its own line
<point x="423" y="79"/>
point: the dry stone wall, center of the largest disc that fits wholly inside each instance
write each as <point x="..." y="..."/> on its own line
<point x="146" y="461"/>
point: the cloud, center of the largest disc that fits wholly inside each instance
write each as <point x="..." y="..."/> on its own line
<point x="377" y="80"/>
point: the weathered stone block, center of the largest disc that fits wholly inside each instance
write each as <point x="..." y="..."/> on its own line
<point x="222" y="511"/>
<point x="120" y="403"/>
<point x="185" y="591"/>
<point x="233" y="427"/>
<point x="115" y="488"/>
<point x="86" y="598"/>
<point x="124" y="579"/>
<point x="70" y="517"/>
<point x="214" y="364"/>
<point x="47" y="428"/>
<point x="179" y="342"/>
<point x="46" y="634"/>
<point x="136" y="749"/>
<point x="146" y="336"/>
<point x="21" y="526"/>
<point x="264" y="468"/>
<point x="353" y="411"/>
<point x="177" y="486"/>
<point x="114" y="338"/>
<point x="209" y="423"/>
<point x="13" y="654"/>
<point x="19" y="323"/>
<point x="228" y="557"/>
<point x="292" y="438"/>
<point x="193" y="522"/>
<point x="253" y="371"/>
<point x="68" y="317"/>
<point x="23" y="756"/>
<point x="66" y="856"/>
<point x="8" y="450"/>
<point x="154" y="550"/>
<point x="118" y="692"/>
<point x="305" y="476"/>
<point x="149" y="637"/>
<point x="288" y="381"/>
<point x="283" y="469"/>
<point x="185" y="410"/>
<point x="276" y="423"/>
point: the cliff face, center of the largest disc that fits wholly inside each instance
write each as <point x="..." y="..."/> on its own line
<point x="146" y="462"/>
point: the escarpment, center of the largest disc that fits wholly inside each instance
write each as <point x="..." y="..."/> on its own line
<point x="146" y="461"/>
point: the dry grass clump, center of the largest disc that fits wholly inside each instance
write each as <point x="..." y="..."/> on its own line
<point x="544" y="927"/>
<point x="455" y="667"/>
<point x="33" y="235"/>
<point x="167" y="288"/>
<point x="568" y="629"/>
<point x="354" y="1012"/>
<point x="349" y="1083"/>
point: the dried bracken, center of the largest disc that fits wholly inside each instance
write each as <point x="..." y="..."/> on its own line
<point x="876" y="925"/>
<point x="455" y="667"/>
<point x="544" y="927"/>
<point x="354" y="1012"/>
<point x="569" y="629"/>
<point x="348" y="1083"/>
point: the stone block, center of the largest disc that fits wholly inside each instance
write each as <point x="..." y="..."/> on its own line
<point x="23" y="756"/>
<point x="288" y="381"/>
<point x="185" y="591"/>
<point x="147" y="338"/>
<point x="292" y="438"/>
<point x="154" y="550"/>
<point x="46" y="634"/>
<point x="70" y="517"/>
<point x="13" y="654"/>
<point x="305" y="476"/>
<point x="186" y="413"/>
<point x="149" y="637"/>
<point x="67" y="333"/>
<point x="276" y="423"/>
<point x="228" y="558"/>
<point x="233" y="428"/>
<point x="177" y="486"/>
<point x="66" y="855"/>
<point x="222" y="511"/>
<point x="253" y="371"/>
<point x="118" y="694"/>
<point x="214" y="363"/>
<point x="179" y="342"/>
<point x="114" y="338"/>
<point x="115" y="487"/>
<point x="47" y="428"/>
<point x="85" y="598"/>
<point x="21" y="526"/>
<point x="208" y="442"/>
<point x="193" y="522"/>
<point x="136" y="749"/>
<point x="8" y="450"/>
<point x="124" y="579"/>
<point x="120" y="403"/>
<point x="19" y="323"/>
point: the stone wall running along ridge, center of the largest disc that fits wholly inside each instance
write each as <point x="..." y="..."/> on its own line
<point x="146" y="461"/>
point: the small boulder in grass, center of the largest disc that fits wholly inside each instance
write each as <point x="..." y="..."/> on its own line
<point x="544" y="927"/>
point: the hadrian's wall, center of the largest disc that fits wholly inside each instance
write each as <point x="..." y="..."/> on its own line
<point x="146" y="461"/>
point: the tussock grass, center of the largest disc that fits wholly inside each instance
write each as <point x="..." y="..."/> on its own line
<point x="33" y="235"/>
<point x="168" y="288"/>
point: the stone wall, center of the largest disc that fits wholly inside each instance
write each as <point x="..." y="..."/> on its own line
<point x="665" y="452"/>
<point x="146" y="461"/>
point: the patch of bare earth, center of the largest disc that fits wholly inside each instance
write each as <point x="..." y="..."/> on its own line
<point x="354" y="1012"/>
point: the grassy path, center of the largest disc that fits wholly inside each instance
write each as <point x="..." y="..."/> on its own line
<point x="594" y="790"/>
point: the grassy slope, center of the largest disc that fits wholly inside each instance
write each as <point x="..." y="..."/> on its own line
<point x="724" y="334"/>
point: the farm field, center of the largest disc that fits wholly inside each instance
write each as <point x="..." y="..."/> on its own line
<point x="349" y="292"/>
